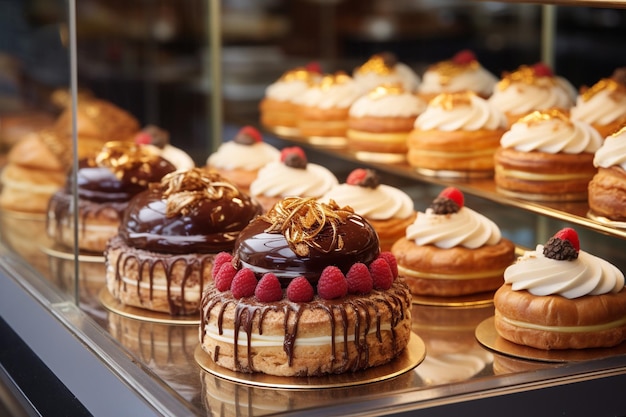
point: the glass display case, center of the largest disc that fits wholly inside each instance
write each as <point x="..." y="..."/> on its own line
<point x="197" y="71"/>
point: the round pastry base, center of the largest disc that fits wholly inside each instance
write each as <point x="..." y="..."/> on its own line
<point x="283" y="131"/>
<point x="441" y="173"/>
<point x="543" y="197"/>
<point x="115" y="306"/>
<point x="22" y="215"/>
<point x="62" y="252"/>
<point x="380" y="157"/>
<point x="333" y="142"/>
<point x="412" y="356"/>
<point x="607" y="222"/>
<point x="487" y="336"/>
<point x="472" y="300"/>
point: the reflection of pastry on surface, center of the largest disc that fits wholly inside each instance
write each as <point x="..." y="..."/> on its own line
<point x="169" y="235"/>
<point x="389" y="209"/>
<point x="451" y="250"/>
<point x="240" y="159"/>
<point x="452" y="352"/>
<point x="326" y="300"/>
<point x="531" y="88"/>
<point x="607" y="189"/>
<point x="380" y="121"/>
<point x="105" y="183"/>
<point x="15" y="127"/>
<point x="460" y="73"/>
<point x="278" y="108"/>
<point x="384" y="68"/>
<point x="291" y="176"/>
<point x="561" y="297"/>
<point x="161" y="346"/>
<point x="323" y="108"/>
<point x="25" y="234"/>
<point x="603" y="105"/>
<point x="546" y="156"/>
<point x="503" y="365"/>
<point x="458" y="132"/>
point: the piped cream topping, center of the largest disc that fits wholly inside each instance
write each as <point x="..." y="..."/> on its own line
<point x="387" y="101"/>
<point x="233" y="155"/>
<point x="279" y="180"/>
<point x="465" y="228"/>
<point x="602" y="104"/>
<point x="460" y="111"/>
<point x="612" y="152"/>
<point x="291" y="84"/>
<point x="447" y="77"/>
<point x="551" y="132"/>
<point x="586" y="275"/>
<point x="374" y="72"/>
<point x="380" y="203"/>
<point x="332" y="91"/>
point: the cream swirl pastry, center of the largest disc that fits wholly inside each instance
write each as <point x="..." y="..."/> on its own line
<point x="461" y="111"/>
<point x="386" y="101"/>
<point x="551" y="132"/>
<point x="382" y="69"/>
<point x="292" y="176"/>
<point x="246" y="151"/>
<point x="159" y="140"/>
<point x="465" y="228"/>
<point x="291" y="84"/>
<point x="462" y="72"/>
<point x="532" y="88"/>
<point x="331" y="91"/>
<point x="612" y="152"/>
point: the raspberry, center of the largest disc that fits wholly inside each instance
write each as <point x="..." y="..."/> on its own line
<point x="293" y="157"/>
<point x="248" y="135"/>
<point x="381" y="274"/>
<point x="464" y="57"/>
<point x="570" y="235"/>
<point x="244" y="283"/>
<point x="300" y="290"/>
<point x="314" y="66"/>
<point x="453" y="194"/>
<point x="332" y="283"/>
<point x="359" y="279"/>
<point x="219" y="260"/>
<point x="268" y="289"/>
<point x="542" y="70"/>
<point x="563" y="246"/>
<point x="143" y="138"/>
<point x="363" y="177"/>
<point x="391" y="260"/>
<point x="224" y="276"/>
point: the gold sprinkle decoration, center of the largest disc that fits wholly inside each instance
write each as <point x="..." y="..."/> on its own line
<point x="605" y="84"/>
<point x="449" y="101"/>
<point x="385" y="90"/>
<point x="120" y="156"/>
<point x="298" y="74"/>
<point x="333" y="79"/>
<point x="185" y="189"/>
<point x="620" y="131"/>
<point x="301" y="220"/>
<point x="544" y="115"/>
<point x="375" y="64"/>
<point x="450" y="69"/>
<point x="524" y="74"/>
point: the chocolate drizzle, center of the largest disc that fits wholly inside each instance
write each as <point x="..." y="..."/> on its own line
<point x="354" y="316"/>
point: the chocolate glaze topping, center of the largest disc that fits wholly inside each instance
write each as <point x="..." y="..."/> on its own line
<point x="191" y="211"/>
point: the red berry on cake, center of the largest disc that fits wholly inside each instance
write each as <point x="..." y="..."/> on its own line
<point x="359" y="279"/>
<point x="293" y="157"/>
<point x="453" y="194"/>
<point x="219" y="260"/>
<point x="364" y="178"/>
<point x="248" y="135"/>
<point x="300" y="290"/>
<point x="314" y="66"/>
<point x="464" y="57"/>
<point x="381" y="274"/>
<point x="143" y="138"/>
<point x="224" y="276"/>
<point x="392" y="261"/>
<point x="244" y="283"/>
<point x="450" y="200"/>
<point x="268" y="289"/>
<point x="332" y="283"/>
<point x="542" y="70"/>
<point x="564" y="245"/>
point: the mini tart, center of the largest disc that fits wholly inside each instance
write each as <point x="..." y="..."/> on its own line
<point x="543" y="176"/>
<point x="162" y="257"/>
<point x="457" y="271"/>
<point x="460" y="151"/>
<point x="607" y="193"/>
<point x="555" y="322"/>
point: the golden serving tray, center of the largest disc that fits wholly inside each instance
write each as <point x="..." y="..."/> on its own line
<point x="412" y="356"/>
<point x="487" y="336"/>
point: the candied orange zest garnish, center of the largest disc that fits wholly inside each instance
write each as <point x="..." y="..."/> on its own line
<point x="301" y="220"/>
